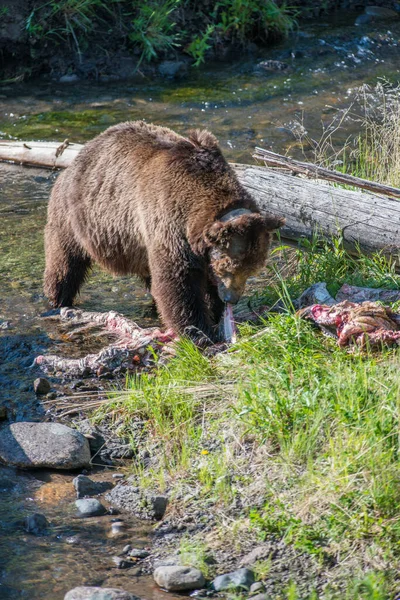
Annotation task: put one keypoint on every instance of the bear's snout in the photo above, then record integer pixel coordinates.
(229, 295)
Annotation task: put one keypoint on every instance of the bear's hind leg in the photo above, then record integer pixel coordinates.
(67, 266)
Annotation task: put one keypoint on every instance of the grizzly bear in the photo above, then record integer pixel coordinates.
(141, 199)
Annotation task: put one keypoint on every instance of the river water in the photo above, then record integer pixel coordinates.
(244, 107)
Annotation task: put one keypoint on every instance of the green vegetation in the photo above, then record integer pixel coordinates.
(154, 29)
(374, 153)
(300, 434)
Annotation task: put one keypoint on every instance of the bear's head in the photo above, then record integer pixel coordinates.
(238, 245)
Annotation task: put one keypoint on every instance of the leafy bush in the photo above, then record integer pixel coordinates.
(158, 27)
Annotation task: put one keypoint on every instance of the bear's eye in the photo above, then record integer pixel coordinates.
(237, 246)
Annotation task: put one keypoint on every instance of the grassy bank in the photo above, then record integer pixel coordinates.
(285, 439)
(153, 30)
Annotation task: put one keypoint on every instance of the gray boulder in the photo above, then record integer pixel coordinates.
(90, 507)
(37, 445)
(241, 579)
(141, 504)
(85, 486)
(176, 579)
(97, 593)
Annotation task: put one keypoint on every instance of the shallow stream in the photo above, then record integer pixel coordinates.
(244, 107)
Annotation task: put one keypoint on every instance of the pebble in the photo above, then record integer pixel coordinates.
(85, 486)
(118, 476)
(41, 386)
(258, 586)
(117, 528)
(241, 579)
(36, 524)
(176, 579)
(90, 507)
(121, 563)
(139, 553)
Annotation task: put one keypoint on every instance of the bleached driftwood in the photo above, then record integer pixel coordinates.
(272, 159)
(368, 221)
(39, 154)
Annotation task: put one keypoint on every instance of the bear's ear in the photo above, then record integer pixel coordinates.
(272, 222)
(203, 139)
(214, 236)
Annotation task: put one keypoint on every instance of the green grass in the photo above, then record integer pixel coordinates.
(154, 29)
(304, 434)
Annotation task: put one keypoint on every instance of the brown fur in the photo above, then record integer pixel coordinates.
(141, 199)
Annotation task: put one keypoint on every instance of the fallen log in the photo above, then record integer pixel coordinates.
(272, 159)
(366, 221)
(39, 154)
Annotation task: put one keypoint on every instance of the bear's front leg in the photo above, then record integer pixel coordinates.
(180, 294)
(217, 306)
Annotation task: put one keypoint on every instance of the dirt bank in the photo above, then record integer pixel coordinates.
(93, 40)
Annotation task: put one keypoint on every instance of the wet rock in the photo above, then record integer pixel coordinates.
(139, 553)
(271, 65)
(126, 549)
(121, 563)
(37, 445)
(141, 504)
(364, 20)
(258, 586)
(175, 579)
(237, 580)
(97, 593)
(85, 486)
(69, 78)
(36, 524)
(90, 507)
(41, 386)
(117, 528)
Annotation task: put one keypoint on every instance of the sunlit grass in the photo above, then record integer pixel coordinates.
(322, 470)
